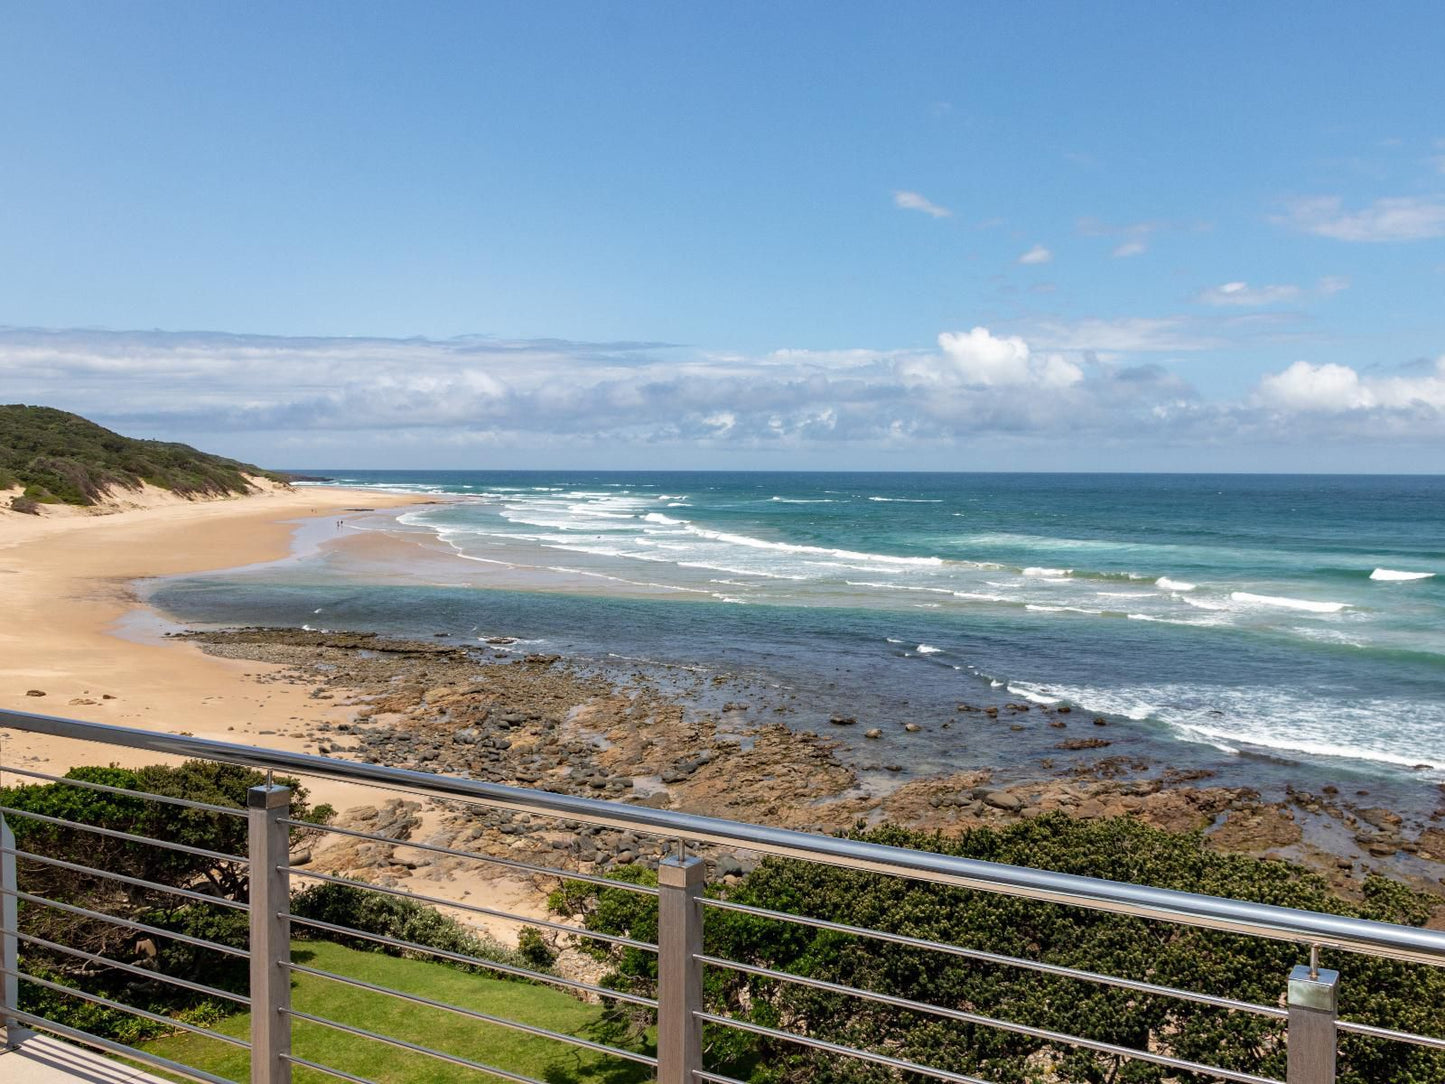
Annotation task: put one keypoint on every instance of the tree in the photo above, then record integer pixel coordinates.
(119, 940)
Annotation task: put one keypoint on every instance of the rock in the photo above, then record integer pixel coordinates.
(541, 660)
(836, 720)
(874, 733)
(912, 728)
(34, 692)
(1063, 709)
(467, 736)
(1057, 724)
(999, 800)
(1099, 720)
(500, 640)
(1083, 743)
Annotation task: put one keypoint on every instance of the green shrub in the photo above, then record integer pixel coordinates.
(1375, 991)
(218, 784)
(399, 918)
(61, 457)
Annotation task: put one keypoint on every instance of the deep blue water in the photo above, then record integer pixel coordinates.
(1301, 616)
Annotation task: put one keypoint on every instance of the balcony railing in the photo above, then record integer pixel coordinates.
(1307, 1008)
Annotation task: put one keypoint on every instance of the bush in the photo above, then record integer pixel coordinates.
(1375, 991)
(22, 503)
(399, 918)
(218, 784)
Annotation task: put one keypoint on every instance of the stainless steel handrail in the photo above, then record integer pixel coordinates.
(1261, 920)
(129, 837)
(997, 958)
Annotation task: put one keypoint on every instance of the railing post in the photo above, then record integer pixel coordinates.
(1312, 1009)
(9, 943)
(270, 845)
(679, 975)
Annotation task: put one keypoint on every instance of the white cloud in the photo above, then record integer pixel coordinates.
(1243, 294)
(354, 401)
(1333, 389)
(1395, 218)
(912, 201)
(1035, 255)
(1135, 235)
(1125, 335)
(981, 359)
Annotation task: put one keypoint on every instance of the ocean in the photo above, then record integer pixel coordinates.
(1274, 629)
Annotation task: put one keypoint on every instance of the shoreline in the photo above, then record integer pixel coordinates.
(71, 582)
(68, 581)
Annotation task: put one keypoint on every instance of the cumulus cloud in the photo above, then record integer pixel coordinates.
(912, 201)
(1394, 218)
(1333, 389)
(1037, 254)
(1130, 248)
(981, 359)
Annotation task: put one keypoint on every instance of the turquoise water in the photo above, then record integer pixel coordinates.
(1296, 616)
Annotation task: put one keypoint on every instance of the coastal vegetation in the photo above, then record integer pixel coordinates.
(119, 958)
(1372, 990)
(55, 457)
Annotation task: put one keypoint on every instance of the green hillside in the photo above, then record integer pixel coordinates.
(61, 458)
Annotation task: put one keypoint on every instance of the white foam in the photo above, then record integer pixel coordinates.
(1035, 695)
(908, 500)
(927, 649)
(1391, 575)
(804, 500)
(1052, 573)
(1290, 603)
(1165, 583)
(658, 517)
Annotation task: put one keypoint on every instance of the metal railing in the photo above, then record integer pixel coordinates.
(1308, 1008)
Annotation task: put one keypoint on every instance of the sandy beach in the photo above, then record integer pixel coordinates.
(65, 579)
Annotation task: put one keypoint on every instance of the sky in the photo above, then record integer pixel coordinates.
(981, 236)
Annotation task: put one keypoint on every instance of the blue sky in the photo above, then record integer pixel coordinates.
(1189, 236)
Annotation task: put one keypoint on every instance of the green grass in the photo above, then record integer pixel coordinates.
(504, 1048)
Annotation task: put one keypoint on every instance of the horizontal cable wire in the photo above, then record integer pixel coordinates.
(490, 965)
(575, 931)
(509, 863)
(217, 856)
(108, 789)
(96, 999)
(199, 942)
(1386, 940)
(1007, 961)
(465, 1063)
(989, 1022)
(1388, 1033)
(187, 984)
(305, 1063)
(85, 1038)
(472, 1014)
(154, 886)
(843, 1051)
(716, 1078)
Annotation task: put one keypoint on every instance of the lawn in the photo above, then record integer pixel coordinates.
(543, 1059)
